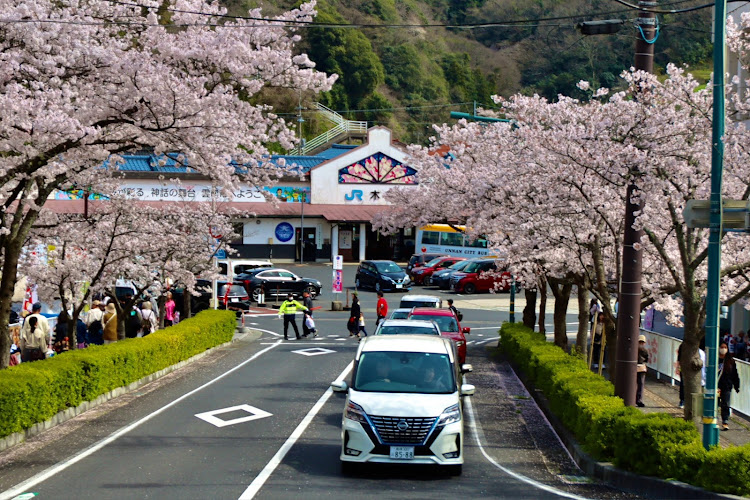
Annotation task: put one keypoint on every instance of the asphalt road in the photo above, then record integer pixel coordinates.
(257, 419)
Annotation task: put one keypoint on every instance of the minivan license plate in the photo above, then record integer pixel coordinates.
(399, 285)
(402, 452)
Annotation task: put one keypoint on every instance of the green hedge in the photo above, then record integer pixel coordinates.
(33, 392)
(655, 444)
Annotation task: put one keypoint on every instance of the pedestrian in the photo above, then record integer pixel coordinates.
(94, 323)
(641, 369)
(61, 327)
(740, 346)
(594, 309)
(133, 319)
(41, 323)
(728, 378)
(598, 333)
(308, 303)
(148, 318)
(109, 324)
(288, 309)
(169, 307)
(82, 334)
(456, 312)
(33, 340)
(354, 312)
(381, 310)
(361, 326)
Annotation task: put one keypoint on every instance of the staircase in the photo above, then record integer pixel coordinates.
(342, 129)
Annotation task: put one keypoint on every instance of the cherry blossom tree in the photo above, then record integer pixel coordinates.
(84, 80)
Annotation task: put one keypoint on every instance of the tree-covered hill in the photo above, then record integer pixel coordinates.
(408, 77)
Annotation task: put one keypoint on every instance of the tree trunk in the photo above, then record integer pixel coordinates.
(561, 290)
(11, 253)
(583, 320)
(542, 303)
(529, 310)
(690, 361)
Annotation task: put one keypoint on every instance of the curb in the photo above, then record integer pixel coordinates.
(20, 437)
(606, 471)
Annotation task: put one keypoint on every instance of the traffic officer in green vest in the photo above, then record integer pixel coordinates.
(289, 309)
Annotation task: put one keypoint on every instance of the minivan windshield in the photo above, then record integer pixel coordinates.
(408, 303)
(445, 323)
(410, 330)
(405, 372)
(388, 267)
(475, 267)
(460, 265)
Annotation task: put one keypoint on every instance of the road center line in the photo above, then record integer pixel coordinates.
(56, 469)
(261, 478)
(520, 477)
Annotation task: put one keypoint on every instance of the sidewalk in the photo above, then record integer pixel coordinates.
(659, 396)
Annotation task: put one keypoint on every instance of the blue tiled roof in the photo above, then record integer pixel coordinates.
(150, 163)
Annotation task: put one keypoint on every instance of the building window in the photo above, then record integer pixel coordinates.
(377, 169)
(239, 229)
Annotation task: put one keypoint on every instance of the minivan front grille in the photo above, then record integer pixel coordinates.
(403, 430)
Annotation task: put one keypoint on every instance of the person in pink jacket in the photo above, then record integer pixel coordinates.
(169, 308)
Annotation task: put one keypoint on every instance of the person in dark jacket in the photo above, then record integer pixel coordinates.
(641, 370)
(354, 313)
(728, 378)
(308, 303)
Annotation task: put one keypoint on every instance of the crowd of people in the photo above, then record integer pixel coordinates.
(737, 345)
(37, 340)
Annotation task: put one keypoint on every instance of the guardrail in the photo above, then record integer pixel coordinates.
(662, 358)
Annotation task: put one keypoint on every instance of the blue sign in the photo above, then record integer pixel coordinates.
(221, 254)
(284, 232)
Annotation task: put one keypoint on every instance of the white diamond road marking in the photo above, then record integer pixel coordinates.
(314, 351)
(254, 414)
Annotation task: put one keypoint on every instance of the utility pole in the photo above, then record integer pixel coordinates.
(629, 311)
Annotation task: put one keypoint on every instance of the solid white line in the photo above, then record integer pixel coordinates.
(261, 478)
(515, 475)
(56, 469)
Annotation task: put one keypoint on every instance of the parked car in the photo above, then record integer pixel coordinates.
(276, 282)
(442, 278)
(448, 324)
(409, 301)
(407, 327)
(481, 276)
(404, 403)
(400, 313)
(420, 259)
(422, 275)
(239, 266)
(236, 297)
(381, 275)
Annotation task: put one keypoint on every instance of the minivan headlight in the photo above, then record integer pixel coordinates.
(355, 412)
(450, 415)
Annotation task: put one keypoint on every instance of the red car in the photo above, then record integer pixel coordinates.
(421, 275)
(481, 276)
(448, 324)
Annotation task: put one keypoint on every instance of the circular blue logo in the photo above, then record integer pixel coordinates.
(284, 232)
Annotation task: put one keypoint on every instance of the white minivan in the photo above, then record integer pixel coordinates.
(404, 403)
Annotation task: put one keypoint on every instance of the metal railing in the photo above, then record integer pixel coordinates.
(342, 128)
(662, 358)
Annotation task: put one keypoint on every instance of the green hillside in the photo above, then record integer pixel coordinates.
(407, 78)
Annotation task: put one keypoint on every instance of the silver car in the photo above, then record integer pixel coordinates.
(407, 326)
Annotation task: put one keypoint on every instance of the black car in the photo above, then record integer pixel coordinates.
(380, 275)
(276, 282)
(442, 278)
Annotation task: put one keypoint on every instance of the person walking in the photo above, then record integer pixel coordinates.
(169, 307)
(455, 311)
(133, 320)
(308, 303)
(33, 341)
(109, 324)
(288, 309)
(148, 318)
(354, 313)
(361, 332)
(381, 310)
(641, 369)
(598, 332)
(728, 378)
(41, 323)
(740, 346)
(594, 309)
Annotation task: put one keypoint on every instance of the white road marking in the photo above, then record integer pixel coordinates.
(315, 351)
(515, 475)
(261, 478)
(253, 414)
(61, 466)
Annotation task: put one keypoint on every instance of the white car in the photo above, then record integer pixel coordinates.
(400, 313)
(404, 403)
(407, 327)
(409, 301)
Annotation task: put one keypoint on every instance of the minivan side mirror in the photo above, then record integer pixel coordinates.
(339, 386)
(466, 329)
(467, 368)
(467, 390)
